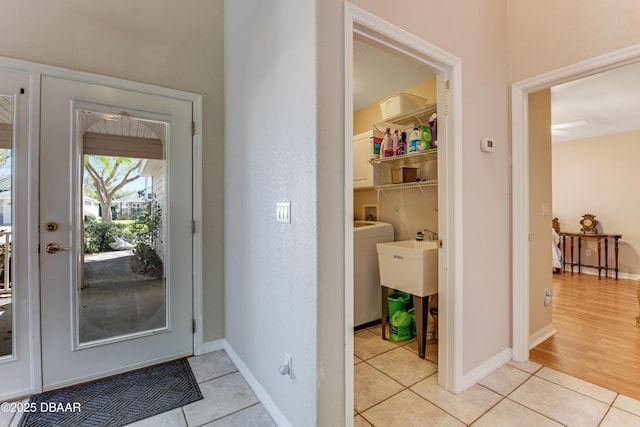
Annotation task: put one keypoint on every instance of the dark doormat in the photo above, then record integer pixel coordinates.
(115, 401)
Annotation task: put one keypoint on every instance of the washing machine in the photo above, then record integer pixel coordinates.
(366, 276)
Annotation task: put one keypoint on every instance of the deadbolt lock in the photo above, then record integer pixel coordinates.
(51, 226)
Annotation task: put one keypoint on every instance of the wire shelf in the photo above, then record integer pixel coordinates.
(416, 184)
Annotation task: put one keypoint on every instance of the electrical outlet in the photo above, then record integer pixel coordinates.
(285, 368)
(588, 252)
(548, 297)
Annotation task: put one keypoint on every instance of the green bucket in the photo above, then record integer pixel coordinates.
(398, 301)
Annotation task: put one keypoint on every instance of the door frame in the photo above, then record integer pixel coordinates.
(36, 71)
(448, 67)
(521, 338)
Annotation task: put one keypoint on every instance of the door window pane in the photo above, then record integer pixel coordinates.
(6, 222)
(123, 287)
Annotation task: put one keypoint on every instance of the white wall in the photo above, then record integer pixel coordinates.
(158, 42)
(270, 155)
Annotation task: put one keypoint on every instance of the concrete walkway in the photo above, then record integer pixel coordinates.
(116, 301)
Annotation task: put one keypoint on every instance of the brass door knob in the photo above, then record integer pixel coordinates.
(52, 248)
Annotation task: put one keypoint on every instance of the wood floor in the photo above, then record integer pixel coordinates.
(597, 337)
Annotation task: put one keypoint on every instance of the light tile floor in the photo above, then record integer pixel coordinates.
(393, 387)
(227, 400)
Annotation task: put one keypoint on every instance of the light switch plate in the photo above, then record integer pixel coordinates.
(283, 212)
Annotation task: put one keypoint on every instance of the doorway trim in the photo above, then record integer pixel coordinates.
(520, 177)
(448, 68)
(36, 71)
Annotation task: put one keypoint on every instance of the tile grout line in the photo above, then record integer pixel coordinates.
(227, 415)
(579, 392)
(533, 410)
(388, 397)
(531, 375)
(218, 377)
(389, 376)
(605, 415)
(442, 409)
(184, 416)
(394, 380)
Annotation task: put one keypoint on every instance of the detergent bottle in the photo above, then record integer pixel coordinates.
(387, 144)
(414, 140)
(402, 144)
(425, 138)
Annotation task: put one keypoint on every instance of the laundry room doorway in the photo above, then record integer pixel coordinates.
(363, 27)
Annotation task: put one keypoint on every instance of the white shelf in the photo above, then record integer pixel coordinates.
(383, 166)
(416, 184)
(406, 159)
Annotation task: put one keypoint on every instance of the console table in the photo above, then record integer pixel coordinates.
(599, 238)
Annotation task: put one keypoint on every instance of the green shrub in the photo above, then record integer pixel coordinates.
(147, 261)
(89, 217)
(98, 236)
(147, 228)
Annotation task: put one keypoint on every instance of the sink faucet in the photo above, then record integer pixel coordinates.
(432, 234)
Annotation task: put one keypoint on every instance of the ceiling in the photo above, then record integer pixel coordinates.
(120, 125)
(608, 102)
(6, 109)
(107, 124)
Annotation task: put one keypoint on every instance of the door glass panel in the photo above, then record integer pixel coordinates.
(122, 279)
(6, 181)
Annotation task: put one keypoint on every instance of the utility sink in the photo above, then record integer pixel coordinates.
(409, 266)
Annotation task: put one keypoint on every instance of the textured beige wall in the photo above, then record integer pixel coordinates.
(595, 176)
(158, 42)
(540, 209)
(546, 35)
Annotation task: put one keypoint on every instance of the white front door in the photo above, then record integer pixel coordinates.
(106, 308)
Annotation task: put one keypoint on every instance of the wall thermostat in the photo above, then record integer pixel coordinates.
(488, 145)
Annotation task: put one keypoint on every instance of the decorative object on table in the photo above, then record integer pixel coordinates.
(588, 223)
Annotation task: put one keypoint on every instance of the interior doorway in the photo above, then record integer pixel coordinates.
(364, 26)
(588, 147)
(521, 182)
